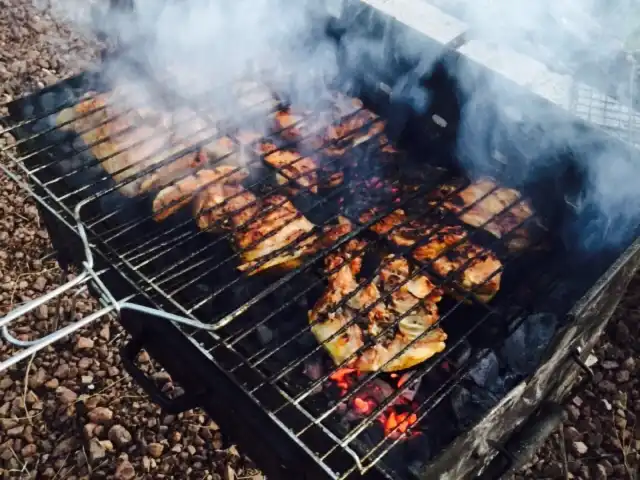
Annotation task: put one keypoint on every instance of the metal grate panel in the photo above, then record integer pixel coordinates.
(192, 274)
(618, 116)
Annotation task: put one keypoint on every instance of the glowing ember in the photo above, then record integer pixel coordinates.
(340, 377)
(395, 424)
(397, 419)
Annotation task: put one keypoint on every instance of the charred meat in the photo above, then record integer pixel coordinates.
(448, 250)
(395, 310)
(498, 210)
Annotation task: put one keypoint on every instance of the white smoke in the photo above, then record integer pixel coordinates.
(194, 45)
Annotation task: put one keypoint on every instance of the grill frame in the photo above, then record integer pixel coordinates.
(155, 341)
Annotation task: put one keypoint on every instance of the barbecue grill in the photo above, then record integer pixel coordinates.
(241, 345)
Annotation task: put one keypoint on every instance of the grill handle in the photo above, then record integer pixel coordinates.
(173, 406)
(523, 445)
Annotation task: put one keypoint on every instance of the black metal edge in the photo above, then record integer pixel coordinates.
(520, 447)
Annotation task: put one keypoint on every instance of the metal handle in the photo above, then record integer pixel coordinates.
(87, 276)
(523, 445)
(180, 404)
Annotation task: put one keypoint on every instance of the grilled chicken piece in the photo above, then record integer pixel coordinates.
(472, 267)
(301, 170)
(222, 181)
(392, 324)
(269, 226)
(476, 269)
(262, 227)
(490, 204)
(120, 140)
(130, 142)
(343, 123)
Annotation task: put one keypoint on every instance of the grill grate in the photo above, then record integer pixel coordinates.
(256, 325)
(617, 116)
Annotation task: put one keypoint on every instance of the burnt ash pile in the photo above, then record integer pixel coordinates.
(413, 414)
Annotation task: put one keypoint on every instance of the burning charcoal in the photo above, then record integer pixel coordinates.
(486, 372)
(524, 348)
(469, 405)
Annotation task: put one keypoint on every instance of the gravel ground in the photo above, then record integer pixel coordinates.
(71, 412)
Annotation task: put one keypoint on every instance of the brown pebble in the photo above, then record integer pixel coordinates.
(84, 343)
(105, 334)
(622, 376)
(62, 371)
(579, 448)
(629, 364)
(571, 434)
(66, 396)
(89, 430)
(119, 435)
(15, 431)
(52, 384)
(599, 472)
(100, 415)
(96, 450)
(155, 450)
(125, 471)
(84, 363)
(29, 450)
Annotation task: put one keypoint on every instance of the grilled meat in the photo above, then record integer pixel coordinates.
(497, 210)
(472, 267)
(342, 126)
(268, 226)
(261, 228)
(220, 182)
(135, 146)
(301, 170)
(402, 319)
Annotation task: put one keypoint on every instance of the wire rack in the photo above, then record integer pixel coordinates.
(615, 113)
(192, 258)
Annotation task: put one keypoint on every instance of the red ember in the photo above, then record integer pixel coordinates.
(396, 419)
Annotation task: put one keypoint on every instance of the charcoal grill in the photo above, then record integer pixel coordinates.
(239, 345)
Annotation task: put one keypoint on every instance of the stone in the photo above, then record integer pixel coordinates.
(96, 450)
(29, 450)
(571, 434)
(599, 472)
(66, 396)
(119, 435)
(84, 343)
(579, 448)
(622, 376)
(125, 471)
(155, 450)
(100, 415)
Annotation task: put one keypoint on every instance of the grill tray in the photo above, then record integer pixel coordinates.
(233, 355)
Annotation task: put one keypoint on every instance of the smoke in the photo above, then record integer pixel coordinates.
(193, 45)
(566, 35)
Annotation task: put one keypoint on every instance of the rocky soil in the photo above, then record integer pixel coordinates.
(71, 411)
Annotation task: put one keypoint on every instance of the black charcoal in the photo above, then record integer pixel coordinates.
(523, 349)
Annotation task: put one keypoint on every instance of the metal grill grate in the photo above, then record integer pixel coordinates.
(245, 322)
(618, 116)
